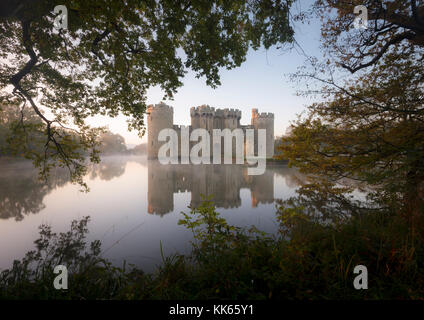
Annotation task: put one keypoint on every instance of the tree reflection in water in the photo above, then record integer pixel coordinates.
(22, 192)
(108, 168)
(328, 203)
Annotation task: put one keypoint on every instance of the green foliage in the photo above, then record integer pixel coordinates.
(227, 259)
(23, 135)
(312, 258)
(90, 275)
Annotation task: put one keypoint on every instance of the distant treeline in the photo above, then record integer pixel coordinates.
(113, 143)
(13, 121)
(138, 150)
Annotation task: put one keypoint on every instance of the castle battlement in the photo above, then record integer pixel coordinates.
(232, 113)
(202, 110)
(207, 111)
(159, 107)
(266, 115)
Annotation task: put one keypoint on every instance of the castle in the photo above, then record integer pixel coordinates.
(161, 116)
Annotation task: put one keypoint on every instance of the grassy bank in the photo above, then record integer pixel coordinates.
(309, 259)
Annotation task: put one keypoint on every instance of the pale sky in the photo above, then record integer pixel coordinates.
(260, 82)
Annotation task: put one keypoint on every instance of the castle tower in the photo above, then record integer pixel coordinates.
(232, 118)
(264, 121)
(202, 117)
(159, 116)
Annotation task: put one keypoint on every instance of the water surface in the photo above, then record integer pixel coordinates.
(134, 204)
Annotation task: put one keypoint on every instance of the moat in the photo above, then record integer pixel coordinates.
(135, 204)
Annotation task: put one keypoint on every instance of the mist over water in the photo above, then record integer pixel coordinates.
(134, 204)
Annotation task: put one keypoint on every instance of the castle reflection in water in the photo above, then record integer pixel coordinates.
(221, 182)
(22, 193)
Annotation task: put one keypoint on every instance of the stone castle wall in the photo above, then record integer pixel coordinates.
(161, 116)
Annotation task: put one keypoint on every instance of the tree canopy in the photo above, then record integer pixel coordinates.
(369, 122)
(389, 23)
(113, 51)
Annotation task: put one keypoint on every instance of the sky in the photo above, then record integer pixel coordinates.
(261, 82)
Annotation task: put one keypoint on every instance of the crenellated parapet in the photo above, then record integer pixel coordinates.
(266, 115)
(262, 115)
(232, 113)
(207, 111)
(160, 107)
(203, 110)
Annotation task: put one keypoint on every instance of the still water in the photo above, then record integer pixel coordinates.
(134, 204)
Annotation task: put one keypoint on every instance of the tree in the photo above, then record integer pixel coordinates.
(111, 143)
(113, 51)
(15, 120)
(389, 24)
(369, 125)
(139, 149)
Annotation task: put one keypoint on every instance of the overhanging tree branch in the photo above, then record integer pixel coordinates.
(397, 39)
